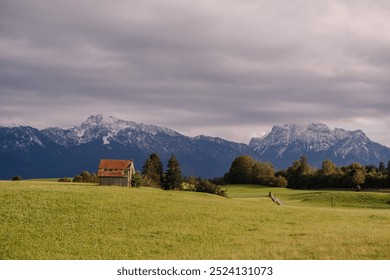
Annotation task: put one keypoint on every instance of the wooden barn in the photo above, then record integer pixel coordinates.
(115, 172)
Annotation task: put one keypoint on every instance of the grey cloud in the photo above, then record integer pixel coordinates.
(193, 65)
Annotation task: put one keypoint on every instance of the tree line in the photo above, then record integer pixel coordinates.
(246, 170)
(300, 175)
(153, 175)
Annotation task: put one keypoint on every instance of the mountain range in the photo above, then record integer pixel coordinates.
(57, 152)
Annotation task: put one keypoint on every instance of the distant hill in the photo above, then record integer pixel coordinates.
(57, 152)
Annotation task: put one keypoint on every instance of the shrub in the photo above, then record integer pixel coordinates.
(17, 178)
(186, 186)
(86, 177)
(65, 179)
(136, 180)
(203, 185)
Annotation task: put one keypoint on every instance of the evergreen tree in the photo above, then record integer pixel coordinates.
(153, 172)
(173, 177)
(382, 167)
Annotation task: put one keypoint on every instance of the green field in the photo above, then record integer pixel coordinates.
(50, 220)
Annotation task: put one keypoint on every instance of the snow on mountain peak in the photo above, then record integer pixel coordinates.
(107, 128)
(111, 123)
(100, 126)
(315, 137)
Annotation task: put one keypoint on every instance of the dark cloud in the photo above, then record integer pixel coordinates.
(226, 68)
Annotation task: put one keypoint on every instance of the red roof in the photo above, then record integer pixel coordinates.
(113, 168)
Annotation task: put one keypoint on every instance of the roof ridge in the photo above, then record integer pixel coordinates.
(116, 159)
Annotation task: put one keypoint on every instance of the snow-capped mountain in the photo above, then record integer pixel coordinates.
(54, 152)
(317, 141)
(57, 152)
(103, 128)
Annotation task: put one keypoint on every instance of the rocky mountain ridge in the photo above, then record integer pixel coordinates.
(56, 152)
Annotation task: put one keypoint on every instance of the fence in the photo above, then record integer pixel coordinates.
(275, 199)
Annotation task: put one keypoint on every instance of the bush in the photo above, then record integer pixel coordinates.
(279, 182)
(203, 185)
(65, 180)
(136, 180)
(186, 186)
(17, 178)
(86, 177)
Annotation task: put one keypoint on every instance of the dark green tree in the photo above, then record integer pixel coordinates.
(153, 172)
(173, 177)
(241, 170)
(382, 167)
(300, 174)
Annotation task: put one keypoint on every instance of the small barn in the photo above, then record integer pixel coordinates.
(114, 172)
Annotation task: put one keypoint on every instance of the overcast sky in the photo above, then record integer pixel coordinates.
(227, 68)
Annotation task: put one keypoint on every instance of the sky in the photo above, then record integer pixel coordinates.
(226, 68)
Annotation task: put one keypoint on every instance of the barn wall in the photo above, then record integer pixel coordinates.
(113, 181)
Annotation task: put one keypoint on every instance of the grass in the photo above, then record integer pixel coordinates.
(45, 179)
(314, 198)
(51, 220)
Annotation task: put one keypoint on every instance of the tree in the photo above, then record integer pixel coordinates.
(304, 168)
(241, 170)
(153, 172)
(263, 173)
(382, 167)
(280, 182)
(356, 175)
(329, 176)
(173, 177)
(300, 174)
(328, 168)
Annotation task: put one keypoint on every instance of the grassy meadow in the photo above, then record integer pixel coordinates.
(51, 220)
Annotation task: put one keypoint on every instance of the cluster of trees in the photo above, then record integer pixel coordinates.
(246, 170)
(301, 175)
(153, 175)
